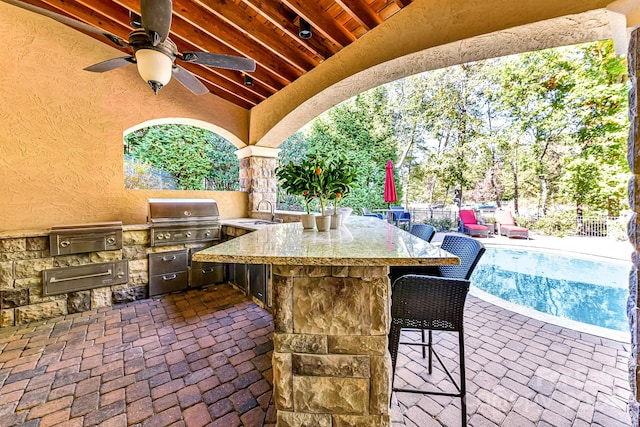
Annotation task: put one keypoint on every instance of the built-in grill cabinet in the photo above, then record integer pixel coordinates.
(72, 279)
(206, 273)
(178, 221)
(81, 238)
(168, 271)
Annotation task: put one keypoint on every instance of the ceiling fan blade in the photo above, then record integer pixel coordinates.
(68, 21)
(189, 81)
(219, 60)
(111, 64)
(156, 19)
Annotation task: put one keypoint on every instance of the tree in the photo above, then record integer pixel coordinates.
(599, 129)
(360, 128)
(192, 155)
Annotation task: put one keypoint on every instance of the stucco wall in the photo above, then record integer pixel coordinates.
(61, 127)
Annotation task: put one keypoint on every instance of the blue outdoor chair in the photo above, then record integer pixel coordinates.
(403, 219)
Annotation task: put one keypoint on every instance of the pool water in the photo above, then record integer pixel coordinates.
(588, 290)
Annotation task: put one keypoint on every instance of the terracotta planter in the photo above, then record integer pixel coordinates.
(323, 222)
(336, 221)
(308, 221)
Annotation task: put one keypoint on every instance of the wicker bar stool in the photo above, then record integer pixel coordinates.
(435, 303)
(423, 231)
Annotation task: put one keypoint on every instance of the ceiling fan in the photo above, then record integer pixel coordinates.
(153, 51)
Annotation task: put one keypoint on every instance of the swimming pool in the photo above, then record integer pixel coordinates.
(584, 289)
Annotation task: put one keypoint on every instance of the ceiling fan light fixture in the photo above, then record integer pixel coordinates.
(305, 29)
(248, 80)
(154, 67)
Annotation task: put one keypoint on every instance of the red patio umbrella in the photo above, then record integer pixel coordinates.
(390, 194)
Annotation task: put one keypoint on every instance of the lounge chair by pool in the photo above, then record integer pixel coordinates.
(508, 227)
(470, 224)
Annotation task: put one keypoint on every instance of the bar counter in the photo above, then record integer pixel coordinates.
(331, 312)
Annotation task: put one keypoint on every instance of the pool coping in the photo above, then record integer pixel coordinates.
(612, 334)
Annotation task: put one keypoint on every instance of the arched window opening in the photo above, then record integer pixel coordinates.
(179, 157)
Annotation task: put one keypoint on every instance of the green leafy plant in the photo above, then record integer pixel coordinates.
(297, 179)
(334, 178)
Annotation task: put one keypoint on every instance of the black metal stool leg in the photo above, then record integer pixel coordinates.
(430, 351)
(463, 380)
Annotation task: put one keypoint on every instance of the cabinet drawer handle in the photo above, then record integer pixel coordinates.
(169, 277)
(171, 258)
(86, 276)
(207, 270)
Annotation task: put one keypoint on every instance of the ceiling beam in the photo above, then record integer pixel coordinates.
(284, 19)
(238, 18)
(321, 21)
(361, 12)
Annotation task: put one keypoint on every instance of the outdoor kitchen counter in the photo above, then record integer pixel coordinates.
(362, 241)
(331, 314)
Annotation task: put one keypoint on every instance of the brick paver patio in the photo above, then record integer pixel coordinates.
(203, 358)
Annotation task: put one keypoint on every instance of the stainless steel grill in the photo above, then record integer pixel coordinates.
(177, 221)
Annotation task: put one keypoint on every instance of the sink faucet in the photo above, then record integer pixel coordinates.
(273, 212)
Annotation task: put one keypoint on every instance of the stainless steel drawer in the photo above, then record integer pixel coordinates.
(169, 282)
(206, 273)
(168, 262)
(75, 241)
(71, 279)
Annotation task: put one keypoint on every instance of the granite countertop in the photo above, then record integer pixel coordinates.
(361, 241)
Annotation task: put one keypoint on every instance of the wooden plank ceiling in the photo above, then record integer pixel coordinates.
(264, 30)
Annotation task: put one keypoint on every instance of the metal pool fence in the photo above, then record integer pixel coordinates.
(445, 219)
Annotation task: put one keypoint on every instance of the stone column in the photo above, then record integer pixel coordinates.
(331, 366)
(257, 174)
(633, 156)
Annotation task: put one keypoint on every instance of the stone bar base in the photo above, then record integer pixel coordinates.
(331, 366)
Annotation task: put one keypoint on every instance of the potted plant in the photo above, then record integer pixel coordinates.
(297, 179)
(334, 177)
(343, 176)
(321, 188)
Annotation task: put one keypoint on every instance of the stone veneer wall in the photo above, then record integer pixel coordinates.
(258, 178)
(330, 362)
(22, 260)
(633, 156)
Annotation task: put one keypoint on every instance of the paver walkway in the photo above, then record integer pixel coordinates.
(203, 358)
(198, 358)
(520, 372)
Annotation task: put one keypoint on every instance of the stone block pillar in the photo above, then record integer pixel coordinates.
(257, 174)
(331, 366)
(633, 156)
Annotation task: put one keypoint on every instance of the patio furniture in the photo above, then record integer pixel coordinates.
(424, 231)
(508, 227)
(470, 224)
(435, 303)
(403, 219)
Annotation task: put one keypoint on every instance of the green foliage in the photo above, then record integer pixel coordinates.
(556, 224)
(361, 128)
(296, 179)
(194, 156)
(547, 126)
(443, 224)
(143, 176)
